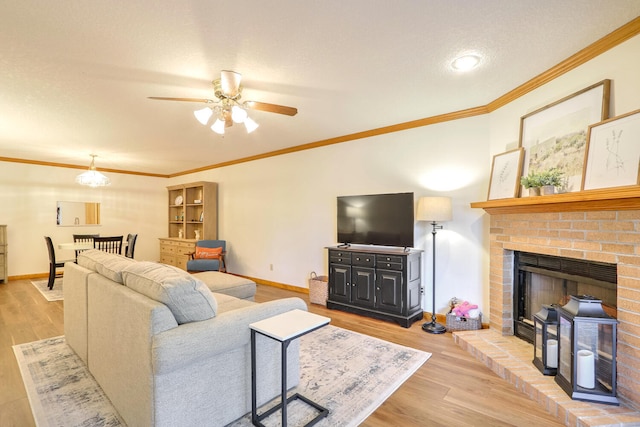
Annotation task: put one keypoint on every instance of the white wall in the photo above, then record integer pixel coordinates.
(131, 204)
(281, 211)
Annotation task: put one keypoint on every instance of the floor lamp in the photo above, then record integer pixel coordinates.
(434, 210)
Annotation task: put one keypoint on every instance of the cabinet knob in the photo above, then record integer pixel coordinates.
(367, 259)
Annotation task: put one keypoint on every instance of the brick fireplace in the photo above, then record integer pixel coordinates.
(601, 226)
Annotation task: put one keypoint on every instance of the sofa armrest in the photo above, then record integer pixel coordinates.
(191, 342)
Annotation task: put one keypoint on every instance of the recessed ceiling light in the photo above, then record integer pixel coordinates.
(465, 62)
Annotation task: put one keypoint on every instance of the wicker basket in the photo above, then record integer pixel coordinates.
(455, 323)
(318, 289)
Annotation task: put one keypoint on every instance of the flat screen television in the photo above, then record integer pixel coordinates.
(376, 219)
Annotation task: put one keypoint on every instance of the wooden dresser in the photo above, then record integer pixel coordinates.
(176, 252)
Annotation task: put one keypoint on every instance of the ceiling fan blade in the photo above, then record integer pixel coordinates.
(271, 108)
(230, 82)
(163, 98)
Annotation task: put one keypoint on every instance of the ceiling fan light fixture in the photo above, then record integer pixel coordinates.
(218, 127)
(230, 83)
(238, 114)
(203, 115)
(465, 62)
(92, 177)
(250, 125)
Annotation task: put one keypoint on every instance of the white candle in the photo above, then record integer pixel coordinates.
(552, 353)
(586, 375)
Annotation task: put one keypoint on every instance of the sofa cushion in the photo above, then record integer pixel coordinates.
(188, 298)
(229, 303)
(87, 259)
(230, 284)
(105, 263)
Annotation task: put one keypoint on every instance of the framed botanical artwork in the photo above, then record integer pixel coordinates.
(555, 136)
(505, 175)
(613, 153)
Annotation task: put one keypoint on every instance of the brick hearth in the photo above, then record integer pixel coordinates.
(611, 236)
(510, 358)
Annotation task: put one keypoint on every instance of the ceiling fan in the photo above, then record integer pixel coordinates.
(227, 105)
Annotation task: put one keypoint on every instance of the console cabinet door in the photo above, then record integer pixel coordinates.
(340, 282)
(363, 286)
(389, 291)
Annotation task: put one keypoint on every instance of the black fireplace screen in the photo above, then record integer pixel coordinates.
(546, 279)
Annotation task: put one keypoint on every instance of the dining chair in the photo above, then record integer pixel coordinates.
(53, 265)
(111, 244)
(131, 245)
(83, 238)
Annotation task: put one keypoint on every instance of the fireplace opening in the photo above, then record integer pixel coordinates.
(544, 279)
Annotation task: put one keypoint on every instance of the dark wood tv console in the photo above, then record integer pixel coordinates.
(381, 283)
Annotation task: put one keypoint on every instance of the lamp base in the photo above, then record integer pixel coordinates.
(433, 328)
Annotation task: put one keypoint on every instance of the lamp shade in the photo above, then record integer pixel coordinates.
(238, 115)
(250, 125)
(218, 127)
(203, 115)
(435, 209)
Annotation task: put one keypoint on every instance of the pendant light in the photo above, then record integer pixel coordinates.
(92, 177)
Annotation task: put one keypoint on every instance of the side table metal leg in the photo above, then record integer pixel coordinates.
(254, 399)
(285, 344)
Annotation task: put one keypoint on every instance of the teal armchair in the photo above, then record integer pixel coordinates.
(208, 264)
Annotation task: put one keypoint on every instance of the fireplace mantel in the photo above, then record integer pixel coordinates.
(620, 198)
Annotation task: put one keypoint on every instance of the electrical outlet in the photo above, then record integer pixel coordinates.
(271, 267)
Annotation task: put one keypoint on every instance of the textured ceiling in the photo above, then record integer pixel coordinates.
(75, 75)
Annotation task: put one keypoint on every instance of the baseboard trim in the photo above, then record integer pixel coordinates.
(28, 276)
(275, 284)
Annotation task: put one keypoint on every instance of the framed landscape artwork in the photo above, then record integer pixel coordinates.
(613, 152)
(505, 175)
(555, 136)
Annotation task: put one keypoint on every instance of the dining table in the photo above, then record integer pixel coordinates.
(76, 246)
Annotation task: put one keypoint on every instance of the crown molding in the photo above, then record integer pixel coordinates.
(82, 167)
(611, 40)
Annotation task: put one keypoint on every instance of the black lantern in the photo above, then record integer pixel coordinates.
(587, 351)
(545, 343)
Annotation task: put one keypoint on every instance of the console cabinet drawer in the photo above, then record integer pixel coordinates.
(338, 257)
(390, 262)
(364, 260)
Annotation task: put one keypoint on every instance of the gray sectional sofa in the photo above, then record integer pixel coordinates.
(165, 349)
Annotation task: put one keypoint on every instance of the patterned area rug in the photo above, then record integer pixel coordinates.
(349, 373)
(54, 294)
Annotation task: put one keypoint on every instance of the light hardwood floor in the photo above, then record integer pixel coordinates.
(450, 389)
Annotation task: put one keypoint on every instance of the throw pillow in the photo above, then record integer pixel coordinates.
(207, 253)
(188, 298)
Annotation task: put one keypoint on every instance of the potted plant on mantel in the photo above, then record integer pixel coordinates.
(532, 183)
(547, 181)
